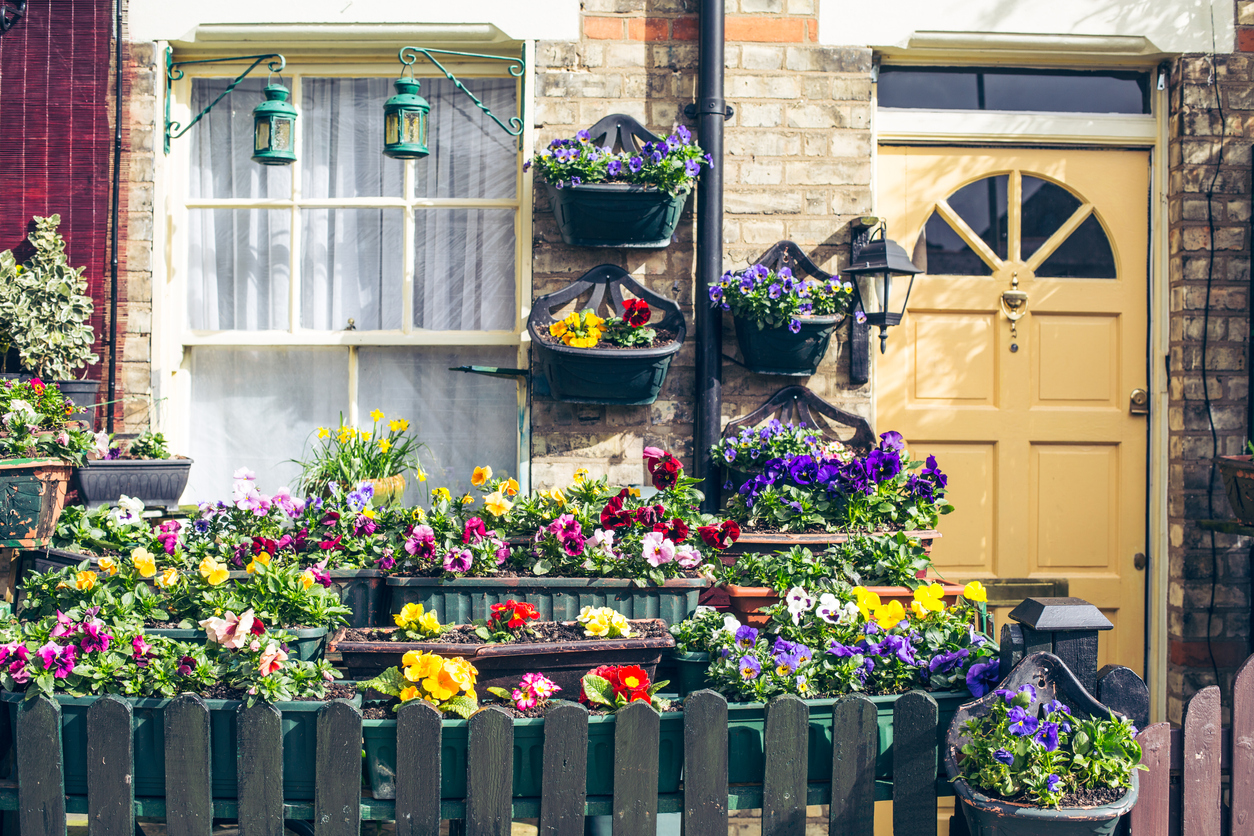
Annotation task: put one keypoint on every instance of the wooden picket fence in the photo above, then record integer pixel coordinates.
(40, 806)
(1183, 790)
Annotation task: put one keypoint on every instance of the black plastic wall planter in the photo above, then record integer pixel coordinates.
(84, 394)
(604, 375)
(616, 215)
(156, 482)
(780, 351)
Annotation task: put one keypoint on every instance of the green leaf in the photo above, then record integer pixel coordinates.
(542, 566)
(390, 682)
(598, 690)
(502, 693)
(461, 705)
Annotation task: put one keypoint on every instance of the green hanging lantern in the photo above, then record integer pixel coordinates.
(274, 121)
(405, 122)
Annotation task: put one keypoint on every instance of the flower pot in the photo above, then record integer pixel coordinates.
(366, 593)
(615, 215)
(751, 541)
(158, 482)
(379, 737)
(686, 671)
(84, 394)
(503, 665)
(736, 477)
(463, 600)
(32, 493)
(309, 646)
(748, 601)
(299, 724)
(993, 817)
(1237, 473)
(388, 489)
(780, 351)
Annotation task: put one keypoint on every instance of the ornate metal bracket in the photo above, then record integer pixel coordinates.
(11, 11)
(173, 130)
(516, 66)
(859, 332)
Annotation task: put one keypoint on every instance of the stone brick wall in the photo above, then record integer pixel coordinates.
(1209, 189)
(797, 166)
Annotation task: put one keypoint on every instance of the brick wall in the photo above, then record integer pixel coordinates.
(797, 165)
(1209, 593)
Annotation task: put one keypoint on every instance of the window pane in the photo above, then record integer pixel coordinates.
(351, 268)
(470, 155)
(239, 267)
(466, 420)
(342, 149)
(1046, 207)
(982, 205)
(257, 408)
(464, 270)
(1085, 254)
(948, 254)
(983, 88)
(222, 145)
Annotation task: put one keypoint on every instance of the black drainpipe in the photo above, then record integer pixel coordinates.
(113, 220)
(711, 110)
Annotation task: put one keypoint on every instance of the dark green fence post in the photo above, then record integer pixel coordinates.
(259, 770)
(564, 789)
(418, 769)
(705, 764)
(110, 768)
(490, 774)
(637, 731)
(855, 744)
(188, 787)
(40, 778)
(337, 787)
(914, 762)
(787, 749)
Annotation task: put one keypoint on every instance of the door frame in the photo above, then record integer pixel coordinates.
(892, 126)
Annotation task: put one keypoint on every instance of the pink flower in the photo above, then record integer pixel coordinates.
(17, 670)
(421, 542)
(231, 631)
(13, 649)
(63, 438)
(475, 530)
(272, 658)
(658, 551)
(94, 637)
(65, 626)
(688, 557)
(139, 646)
(364, 526)
(458, 561)
(533, 689)
(65, 662)
(502, 552)
(48, 655)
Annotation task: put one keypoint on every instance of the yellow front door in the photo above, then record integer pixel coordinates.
(1031, 419)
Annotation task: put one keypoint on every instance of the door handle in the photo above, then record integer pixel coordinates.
(1138, 402)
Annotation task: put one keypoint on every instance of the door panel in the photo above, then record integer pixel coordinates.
(1046, 464)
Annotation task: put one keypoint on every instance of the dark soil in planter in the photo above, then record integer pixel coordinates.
(1081, 798)
(335, 691)
(545, 632)
(664, 337)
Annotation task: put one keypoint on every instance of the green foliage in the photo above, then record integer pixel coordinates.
(347, 455)
(44, 307)
(671, 165)
(695, 634)
(862, 560)
(33, 418)
(149, 445)
(777, 299)
(622, 333)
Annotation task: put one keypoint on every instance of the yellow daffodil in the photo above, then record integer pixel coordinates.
(344, 435)
(421, 474)
(409, 614)
(975, 592)
(144, 562)
(442, 493)
(376, 415)
(107, 565)
(306, 579)
(481, 476)
(468, 500)
(398, 426)
(323, 432)
(364, 436)
(930, 597)
(890, 614)
(410, 693)
(580, 475)
(511, 487)
(168, 578)
(84, 581)
(385, 444)
(497, 504)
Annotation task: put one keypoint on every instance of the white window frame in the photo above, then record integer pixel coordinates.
(173, 337)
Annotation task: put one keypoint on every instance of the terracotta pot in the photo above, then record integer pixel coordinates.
(1237, 473)
(746, 601)
(750, 542)
(503, 665)
(388, 489)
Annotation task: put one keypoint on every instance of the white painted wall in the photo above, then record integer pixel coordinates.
(172, 20)
(1169, 25)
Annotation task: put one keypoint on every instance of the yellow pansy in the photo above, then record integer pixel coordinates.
(633, 492)
(207, 566)
(369, 512)
(306, 579)
(866, 600)
(107, 565)
(557, 496)
(888, 615)
(85, 580)
(144, 562)
(168, 578)
(593, 321)
(497, 504)
(580, 475)
(398, 426)
(442, 493)
(418, 513)
(254, 566)
(481, 476)
(511, 487)
(930, 597)
(572, 319)
(557, 329)
(409, 613)
(63, 585)
(218, 576)
(468, 500)
(410, 693)
(323, 432)
(429, 622)
(376, 415)
(918, 609)
(385, 444)
(263, 558)
(975, 592)
(584, 342)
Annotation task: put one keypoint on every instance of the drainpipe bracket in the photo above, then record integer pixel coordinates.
(706, 106)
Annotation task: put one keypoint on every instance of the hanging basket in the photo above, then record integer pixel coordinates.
(1237, 473)
(626, 376)
(616, 215)
(780, 351)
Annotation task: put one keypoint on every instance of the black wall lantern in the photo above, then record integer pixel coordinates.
(874, 261)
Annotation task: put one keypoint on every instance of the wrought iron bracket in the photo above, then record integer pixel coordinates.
(492, 371)
(173, 130)
(11, 11)
(516, 67)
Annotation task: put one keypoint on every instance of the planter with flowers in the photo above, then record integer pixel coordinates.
(1040, 757)
(609, 349)
(744, 453)
(784, 323)
(38, 449)
(631, 197)
(587, 545)
(527, 698)
(510, 642)
(347, 456)
(143, 470)
(76, 657)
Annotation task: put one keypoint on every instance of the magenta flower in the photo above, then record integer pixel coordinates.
(364, 526)
(65, 625)
(475, 530)
(17, 670)
(48, 655)
(95, 639)
(421, 542)
(65, 662)
(457, 561)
